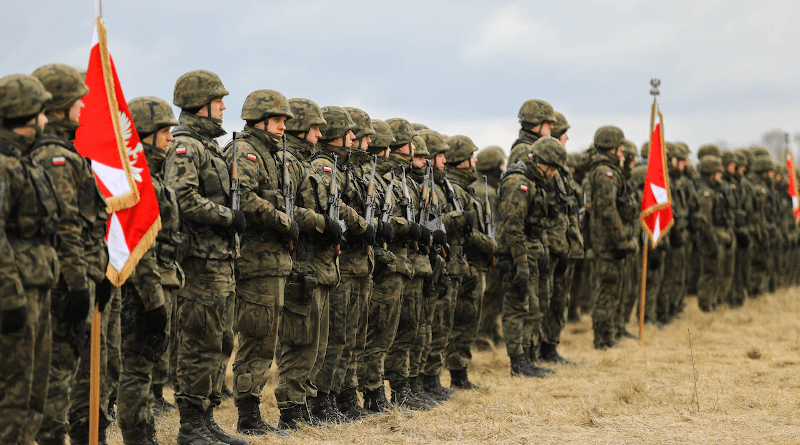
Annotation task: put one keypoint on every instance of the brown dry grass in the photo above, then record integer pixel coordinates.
(744, 387)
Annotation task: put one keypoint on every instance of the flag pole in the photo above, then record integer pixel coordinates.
(654, 83)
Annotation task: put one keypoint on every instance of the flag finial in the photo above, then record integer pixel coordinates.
(655, 83)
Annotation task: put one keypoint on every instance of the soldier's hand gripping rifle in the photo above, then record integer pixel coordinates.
(436, 211)
(388, 205)
(488, 216)
(288, 190)
(427, 218)
(236, 195)
(369, 200)
(334, 201)
(407, 204)
(456, 201)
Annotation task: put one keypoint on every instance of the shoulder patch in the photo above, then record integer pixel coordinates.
(524, 188)
(59, 160)
(252, 157)
(180, 150)
(610, 174)
(327, 169)
(706, 193)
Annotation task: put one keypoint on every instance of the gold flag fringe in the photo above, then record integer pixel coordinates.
(129, 199)
(116, 277)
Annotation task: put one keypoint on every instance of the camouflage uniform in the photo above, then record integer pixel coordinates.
(759, 279)
(533, 113)
(633, 264)
(29, 267)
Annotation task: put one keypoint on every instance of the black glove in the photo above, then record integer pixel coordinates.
(620, 254)
(293, 234)
(239, 223)
(154, 322)
(333, 231)
(469, 220)
(522, 276)
(414, 231)
(675, 239)
(369, 235)
(653, 262)
(712, 249)
(439, 237)
(77, 306)
(13, 320)
(425, 236)
(561, 266)
(103, 294)
(743, 239)
(385, 231)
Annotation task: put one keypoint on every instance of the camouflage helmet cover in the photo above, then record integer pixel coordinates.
(608, 138)
(419, 127)
(757, 151)
(741, 159)
(22, 96)
(63, 82)
(197, 88)
(362, 120)
(645, 151)
(264, 104)
(435, 142)
(561, 126)
(728, 158)
(762, 164)
(549, 151)
(337, 123)
(534, 112)
(490, 158)
(306, 114)
(629, 149)
(403, 131)
(420, 147)
(708, 149)
(383, 137)
(151, 114)
(709, 164)
(461, 149)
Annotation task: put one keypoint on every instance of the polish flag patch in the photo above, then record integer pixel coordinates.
(327, 169)
(524, 188)
(252, 157)
(59, 160)
(180, 150)
(610, 174)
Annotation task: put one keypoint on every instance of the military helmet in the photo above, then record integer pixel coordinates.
(561, 126)
(629, 149)
(362, 120)
(674, 151)
(709, 164)
(420, 147)
(645, 151)
(461, 149)
(549, 151)
(306, 114)
(741, 159)
(63, 82)
(420, 127)
(534, 112)
(608, 138)
(728, 158)
(21, 97)
(762, 164)
(708, 149)
(403, 131)
(337, 123)
(757, 151)
(264, 104)
(151, 114)
(197, 88)
(434, 142)
(383, 137)
(490, 158)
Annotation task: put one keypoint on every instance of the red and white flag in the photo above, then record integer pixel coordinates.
(656, 216)
(793, 185)
(107, 136)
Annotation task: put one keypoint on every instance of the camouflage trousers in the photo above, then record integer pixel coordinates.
(656, 299)
(446, 289)
(396, 363)
(674, 285)
(709, 281)
(420, 348)
(492, 308)
(555, 314)
(258, 304)
(466, 319)
(521, 314)
(759, 275)
(383, 317)
(740, 277)
(631, 288)
(164, 371)
(608, 289)
(113, 345)
(582, 287)
(227, 347)
(23, 372)
(532, 328)
(727, 268)
(345, 376)
(341, 299)
(139, 354)
(204, 307)
(302, 332)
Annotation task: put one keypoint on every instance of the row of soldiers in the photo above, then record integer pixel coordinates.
(350, 251)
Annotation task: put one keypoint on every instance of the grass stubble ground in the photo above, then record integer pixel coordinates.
(730, 377)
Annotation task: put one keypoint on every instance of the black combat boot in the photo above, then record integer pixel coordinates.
(79, 434)
(519, 368)
(218, 433)
(460, 380)
(193, 430)
(529, 359)
(137, 435)
(432, 385)
(161, 405)
(550, 354)
(250, 420)
(151, 433)
(333, 402)
(375, 401)
(349, 405)
(623, 333)
(319, 407)
(291, 417)
(418, 391)
(401, 396)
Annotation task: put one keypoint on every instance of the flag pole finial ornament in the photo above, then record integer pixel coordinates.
(655, 84)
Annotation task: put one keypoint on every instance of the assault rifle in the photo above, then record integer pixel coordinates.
(288, 190)
(333, 200)
(407, 204)
(388, 203)
(452, 196)
(236, 195)
(488, 216)
(369, 200)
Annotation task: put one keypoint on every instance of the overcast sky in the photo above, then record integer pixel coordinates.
(729, 70)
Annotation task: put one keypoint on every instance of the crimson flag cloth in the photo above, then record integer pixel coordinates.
(793, 185)
(656, 215)
(107, 136)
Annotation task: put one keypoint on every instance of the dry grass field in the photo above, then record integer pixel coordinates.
(732, 377)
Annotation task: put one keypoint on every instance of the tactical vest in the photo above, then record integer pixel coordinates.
(535, 221)
(169, 241)
(214, 178)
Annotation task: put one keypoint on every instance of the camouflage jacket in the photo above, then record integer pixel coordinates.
(146, 279)
(420, 260)
(29, 209)
(759, 217)
(454, 223)
(737, 199)
(522, 214)
(715, 217)
(479, 248)
(610, 204)
(574, 206)
(196, 169)
(522, 146)
(170, 240)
